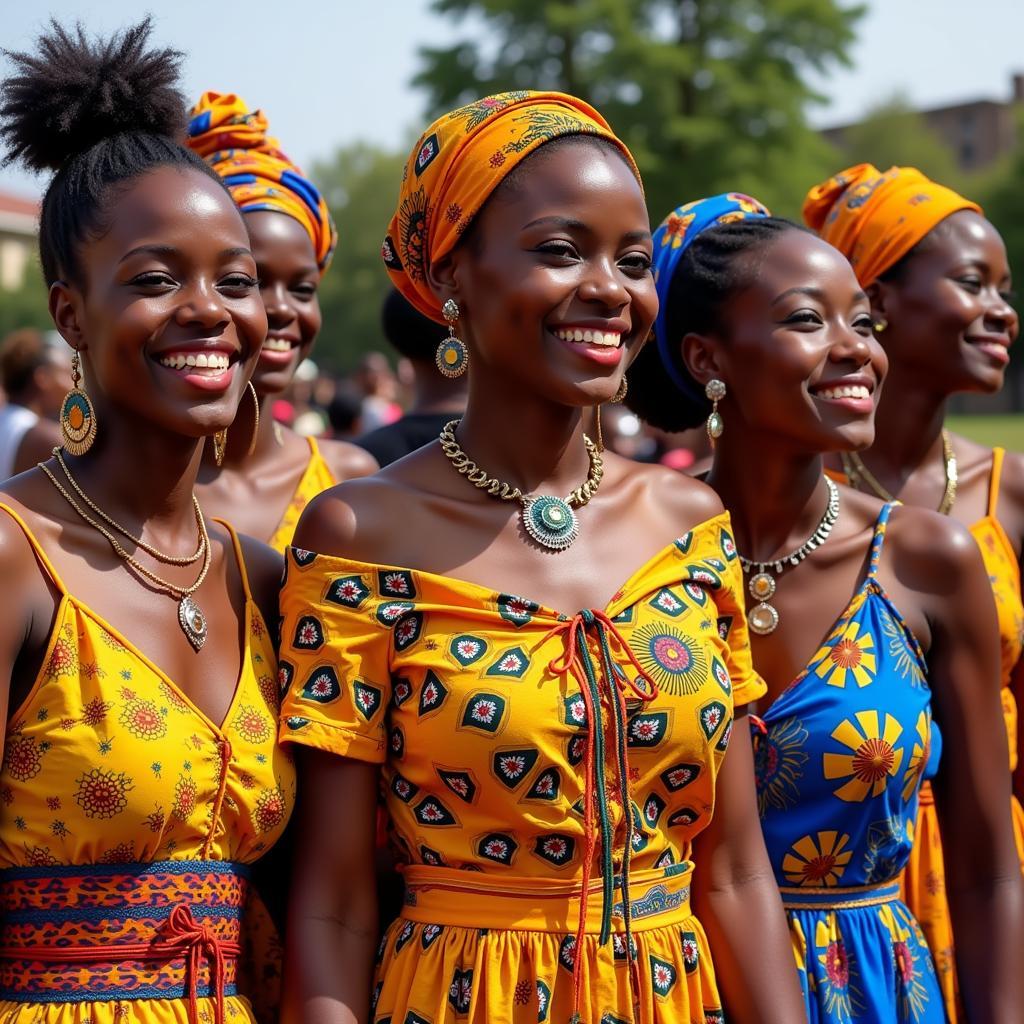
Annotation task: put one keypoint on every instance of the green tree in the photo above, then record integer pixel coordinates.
(894, 133)
(25, 306)
(360, 184)
(710, 95)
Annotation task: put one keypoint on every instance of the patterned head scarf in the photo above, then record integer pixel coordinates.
(458, 162)
(672, 238)
(875, 219)
(234, 142)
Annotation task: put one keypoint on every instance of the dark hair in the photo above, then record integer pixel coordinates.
(719, 262)
(99, 113)
(22, 352)
(414, 335)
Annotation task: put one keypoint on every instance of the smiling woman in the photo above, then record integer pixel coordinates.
(263, 474)
(541, 671)
(140, 789)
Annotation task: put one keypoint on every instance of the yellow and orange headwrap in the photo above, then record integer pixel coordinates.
(234, 142)
(458, 162)
(875, 219)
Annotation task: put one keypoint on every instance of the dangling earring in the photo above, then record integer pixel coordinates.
(77, 416)
(620, 394)
(715, 390)
(220, 445)
(256, 424)
(880, 324)
(452, 356)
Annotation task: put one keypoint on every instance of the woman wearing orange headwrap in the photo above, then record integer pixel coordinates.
(553, 781)
(267, 473)
(937, 274)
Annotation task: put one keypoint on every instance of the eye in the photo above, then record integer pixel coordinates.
(864, 323)
(636, 263)
(804, 316)
(970, 283)
(153, 279)
(559, 250)
(241, 283)
(305, 292)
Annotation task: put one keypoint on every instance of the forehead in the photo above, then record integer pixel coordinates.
(965, 236)
(272, 229)
(800, 259)
(179, 205)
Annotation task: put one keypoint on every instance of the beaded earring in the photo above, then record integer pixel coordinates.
(452, 356)
(77, 416)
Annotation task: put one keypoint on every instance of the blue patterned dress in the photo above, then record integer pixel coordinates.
(839, 760)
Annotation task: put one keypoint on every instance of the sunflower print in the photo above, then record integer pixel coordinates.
(838, 978)
(818, 860)
(677, 663)
(779, 760)
(875, 758)
(848, 654)
(907, 952)
(919, 752)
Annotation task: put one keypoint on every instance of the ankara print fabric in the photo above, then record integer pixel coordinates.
(839, 763)
(449, 686)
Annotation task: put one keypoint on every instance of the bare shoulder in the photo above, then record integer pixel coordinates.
(930, 552)
(263, 566)
(683, 501)
(21, 576)
(347, 461)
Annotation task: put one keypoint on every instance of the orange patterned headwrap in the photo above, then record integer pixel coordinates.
(234, 142)
(875, 219)
(458, 162)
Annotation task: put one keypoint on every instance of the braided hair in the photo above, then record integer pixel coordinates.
(99, 113)
(719, 262)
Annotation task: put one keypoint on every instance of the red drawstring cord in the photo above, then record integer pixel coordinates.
(571, 663)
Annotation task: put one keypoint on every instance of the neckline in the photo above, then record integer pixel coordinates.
(481, 591)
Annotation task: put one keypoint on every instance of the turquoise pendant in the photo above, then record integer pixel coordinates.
(550, 521)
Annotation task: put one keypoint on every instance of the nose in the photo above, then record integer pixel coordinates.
(279, 309)
(851, 346)
(603, 284)
(201, 304)
(1000, 316)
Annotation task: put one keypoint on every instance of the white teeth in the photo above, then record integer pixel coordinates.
(277, 345)
(201, 360)
(216, 361)
(847, 391)
(588, 336)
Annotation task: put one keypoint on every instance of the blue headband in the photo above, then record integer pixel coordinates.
(672, 239)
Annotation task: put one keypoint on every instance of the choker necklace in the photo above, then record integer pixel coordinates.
(549, 520)
(857, 473)
(764, 618)
(190, 615)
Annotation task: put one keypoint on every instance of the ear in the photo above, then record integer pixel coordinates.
(702, 357)
(66, 310)
(881, 298)
(442, 277)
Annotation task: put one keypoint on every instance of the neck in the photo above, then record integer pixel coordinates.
(908, 429)
(142, 477)
(525, 440)
(433, 393)
(774, 507)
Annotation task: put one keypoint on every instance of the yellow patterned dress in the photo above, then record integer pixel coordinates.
(127, 821)
(316, 478)
(505, 802)
(925, 878)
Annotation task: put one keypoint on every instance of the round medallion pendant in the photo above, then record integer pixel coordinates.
(192, 621)
(761, 586)
(550, 521)
(763, 619)
(451, 357)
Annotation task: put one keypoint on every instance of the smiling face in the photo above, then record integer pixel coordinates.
(796, 349)
(289, 279)
(169, 318)
(949, 320)
(554, 282)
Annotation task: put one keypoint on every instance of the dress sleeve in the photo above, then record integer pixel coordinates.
(334, 656)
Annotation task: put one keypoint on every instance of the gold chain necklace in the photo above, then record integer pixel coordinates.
(856, 472)
(137, 541)
(190, 615)
(549, 520)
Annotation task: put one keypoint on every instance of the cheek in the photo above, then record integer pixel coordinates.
(310, 321)
(250, 320)
(945, 305)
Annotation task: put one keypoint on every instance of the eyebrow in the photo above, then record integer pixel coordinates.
(812, 293)
(569, 224)
(170, 250)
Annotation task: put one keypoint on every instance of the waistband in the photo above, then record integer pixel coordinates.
(163, 930)
(470, 899)
(926, 795)
(839, 898)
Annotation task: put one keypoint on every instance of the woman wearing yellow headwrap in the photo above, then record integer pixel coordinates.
(267, 472)
(553, 781)
(937, 274)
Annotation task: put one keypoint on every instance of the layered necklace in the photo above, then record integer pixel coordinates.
(549, 520)
(190, 615)
(764, 617)
(857, 473)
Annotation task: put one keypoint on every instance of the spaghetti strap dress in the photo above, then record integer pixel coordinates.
(316, 478)
(925, 878)
(128, 820)
(839, 758)
(545, 776)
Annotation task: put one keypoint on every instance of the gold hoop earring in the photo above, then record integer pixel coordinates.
(620, 394)
(77, 415)
(715, 391)
(452, 356)
(256, 423)
(220, 446)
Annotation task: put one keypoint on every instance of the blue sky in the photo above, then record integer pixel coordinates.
(338, 70)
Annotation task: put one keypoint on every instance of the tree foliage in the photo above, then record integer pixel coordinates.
(710, 95)
(25, 306)
(360, 184)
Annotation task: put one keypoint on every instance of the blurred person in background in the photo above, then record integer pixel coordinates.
(377, 382)
(35, 370)
(436, 397)
(260, 474)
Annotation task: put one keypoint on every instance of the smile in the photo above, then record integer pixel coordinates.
(278, 345)
(588, 336)
(213, 362)
(847, 391)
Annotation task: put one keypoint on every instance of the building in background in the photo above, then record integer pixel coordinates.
(19, 224)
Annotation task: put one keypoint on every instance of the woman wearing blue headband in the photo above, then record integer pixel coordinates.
(764, 331)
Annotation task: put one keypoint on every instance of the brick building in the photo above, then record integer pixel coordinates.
(19, 221)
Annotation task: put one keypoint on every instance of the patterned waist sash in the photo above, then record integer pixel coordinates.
(469, 899)
(838, 897)
(165, 930)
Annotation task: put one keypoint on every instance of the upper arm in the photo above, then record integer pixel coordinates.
(347, 461)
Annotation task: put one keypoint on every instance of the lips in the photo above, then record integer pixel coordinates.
(211, 362)
(845, 391)
(588, 336)
(996, 348)
(210, 368)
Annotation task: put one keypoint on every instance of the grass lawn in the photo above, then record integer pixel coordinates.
(1006, 431)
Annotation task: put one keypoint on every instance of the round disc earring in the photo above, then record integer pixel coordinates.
(452, 356)
(77, 416)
